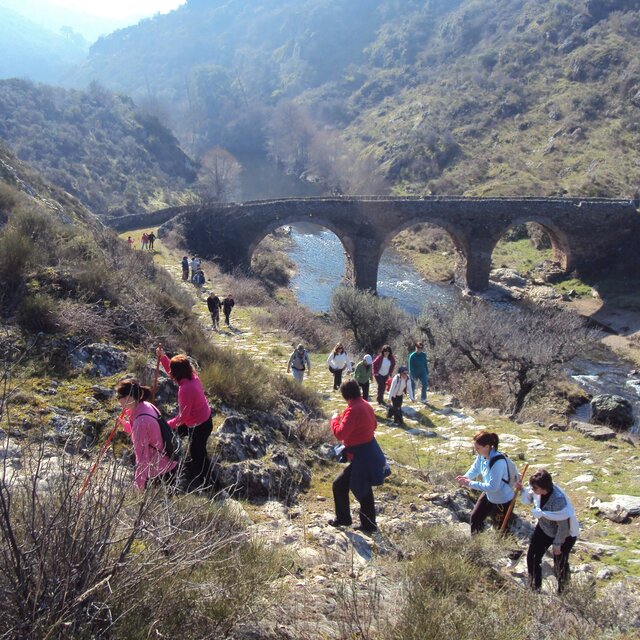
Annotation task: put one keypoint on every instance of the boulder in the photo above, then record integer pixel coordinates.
(99, 359)
(543, 293)
(611, 410)
(278, 476)
(595, 432)
(619, 509)
(508, 277)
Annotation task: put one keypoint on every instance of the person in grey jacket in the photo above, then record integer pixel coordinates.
(299, 361)
(557, 527)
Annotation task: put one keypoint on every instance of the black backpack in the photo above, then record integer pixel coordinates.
(172, 443)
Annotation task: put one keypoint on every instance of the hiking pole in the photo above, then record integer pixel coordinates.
(155, 379)
(510, 509)
(85, 484)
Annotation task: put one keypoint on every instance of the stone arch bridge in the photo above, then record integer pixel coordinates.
(586, 234)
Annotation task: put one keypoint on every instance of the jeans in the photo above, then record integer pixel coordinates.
(365, 389)
(298, 375)
(341, 501)
(483, 509)
(423, 378)
(538, 546)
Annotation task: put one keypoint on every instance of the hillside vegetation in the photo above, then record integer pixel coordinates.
(466, 96)
(96, 145)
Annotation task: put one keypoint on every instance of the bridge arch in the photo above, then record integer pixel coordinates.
(458, 240)
(560, 240)
(345, 240)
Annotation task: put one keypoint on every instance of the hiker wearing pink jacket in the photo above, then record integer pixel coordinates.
(194, 415)
(148, 446)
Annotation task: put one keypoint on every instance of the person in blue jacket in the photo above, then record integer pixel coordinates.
(496, 490)
(419, 370)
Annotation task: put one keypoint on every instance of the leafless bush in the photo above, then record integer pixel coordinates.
(85, 566)
(372, 321)
(518, 349)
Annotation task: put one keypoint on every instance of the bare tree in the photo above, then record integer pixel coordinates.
(289, 137)
(219, 176)
(520, 347)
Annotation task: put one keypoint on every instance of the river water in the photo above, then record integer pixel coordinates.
(319, 259)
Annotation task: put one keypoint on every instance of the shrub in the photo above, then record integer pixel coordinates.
(517, 349)
(272, 266)
(16, 252)
(38, 313)
(111, 564)
(371, 320)
(243, 383)
(298, 322)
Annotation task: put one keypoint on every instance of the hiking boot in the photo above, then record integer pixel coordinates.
(338, 523)
(366, 530)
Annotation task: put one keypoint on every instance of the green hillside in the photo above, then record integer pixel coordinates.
(465, 96)
(96, 145)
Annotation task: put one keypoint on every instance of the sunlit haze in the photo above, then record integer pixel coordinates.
(119, 9)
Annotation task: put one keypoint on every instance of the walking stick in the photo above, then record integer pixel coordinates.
(155, 379)
(510, 509)
(85, 484)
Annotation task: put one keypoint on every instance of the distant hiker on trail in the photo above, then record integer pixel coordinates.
(144, 241)
(419, 370)
(557, 526)
(367, 467)
(195, 265)
(194, 415)
(185, 268)
(152, 238)
(383, 367)
(338, 361)
(496, 489)
(299, 362)
(130, 242)
(363, 375)
(148, 445)
(214, 304)
(400, 385)
(199, 279)
(227, 305)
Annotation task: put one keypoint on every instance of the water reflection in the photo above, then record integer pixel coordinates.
(319, 257)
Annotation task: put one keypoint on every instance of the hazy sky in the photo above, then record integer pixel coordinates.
(119, 9)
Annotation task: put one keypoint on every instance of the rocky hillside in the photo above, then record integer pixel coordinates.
(472, 96)
(96, 145)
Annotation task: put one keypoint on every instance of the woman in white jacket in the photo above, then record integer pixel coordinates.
(338, 361)
(400, 385)
(557, 526)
